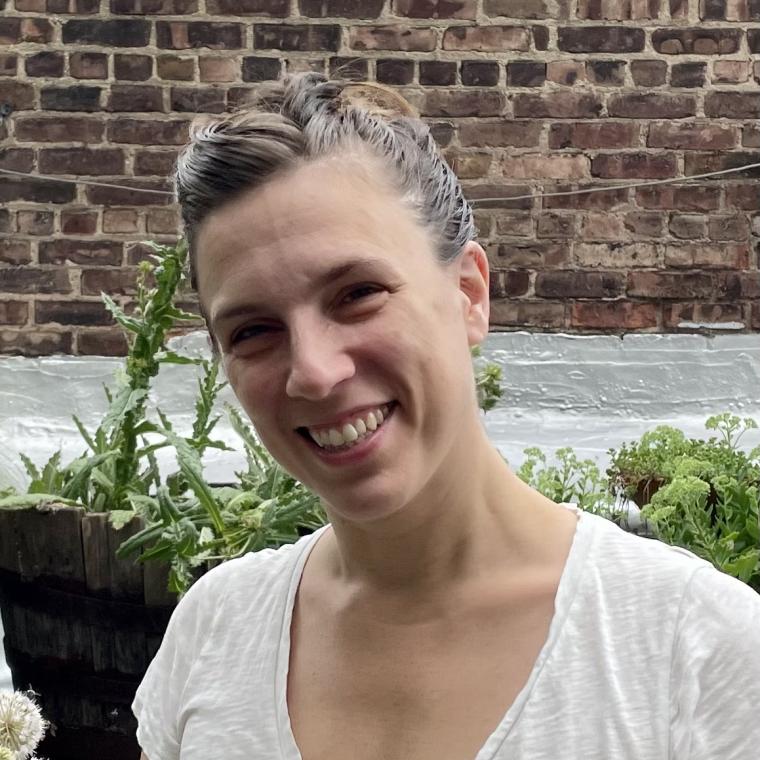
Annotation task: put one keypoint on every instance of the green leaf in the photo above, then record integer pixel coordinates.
(120, 517)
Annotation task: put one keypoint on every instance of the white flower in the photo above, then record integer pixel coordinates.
(21, 724)
(6, 754)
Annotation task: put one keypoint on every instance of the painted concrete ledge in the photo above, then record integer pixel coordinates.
(588, 392)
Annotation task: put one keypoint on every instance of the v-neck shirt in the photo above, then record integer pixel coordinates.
(651, 654)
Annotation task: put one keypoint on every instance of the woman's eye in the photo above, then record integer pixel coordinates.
(251, 331)
(356, 294)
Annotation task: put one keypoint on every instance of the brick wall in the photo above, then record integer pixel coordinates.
(525, 96)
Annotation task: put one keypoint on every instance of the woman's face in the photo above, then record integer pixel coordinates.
(344, 339)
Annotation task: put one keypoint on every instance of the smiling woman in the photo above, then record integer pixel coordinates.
(440, 614)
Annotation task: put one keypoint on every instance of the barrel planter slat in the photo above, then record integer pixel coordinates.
(81, 626)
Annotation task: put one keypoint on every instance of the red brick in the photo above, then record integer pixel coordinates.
(78, 98)
(691, 74)
(733, 227)
(155, 162)
(34, 343)
(100, 252)
(19, 95)
(10, 31)
(136, 97)
(173, 67)
(463, 103)
(438, 73)
(111, 32)
(707, 256)
(182, 35)
(573, 284)
(613, 315)
(17, 159)
(657, 105)
(540, 254)
(672, 285)
(248, 7)
(744, 197)
(36, 190)
(85, 65)
(618, 10)
(120, 220)
(517, 224)
(731, 72)
(101, 343)
(648, 73)
(688, 226)
(465, 9)
(392, 37)
(162, 221)
(526, 73)
(634, 165)
(527, 9)
(616, 255)
(698, 41)
(600, 39)
(91, 161)
(33, 280)
(480, 73)
(543, 166)
(562, 104)
(675, 314)
(733, 105)
(44, 64)
(148, 132)
(106, 196)
(702, 163)
(303, 37)
(505, 195)
(396, 71)
(599, 199)
(551, 225)
(596, 134)
(756, 315)
(8, 64)
(36, 30)
(30, 6)
(155, 7)
(6, 220)
(527, 313)
(644, 224)
(72, 313)
(133, 68)
(470, 165)
(79, 222)
(683, 198)
(566, 72)
(14, 312)
(495, 39)
(350, 67)
(218, 69)
(600, 226)
(211, 99)
(34, 222)
(113, 281)
(500, 134)
(78, 7)
(706, 136)
(606, 73)
(15, 252)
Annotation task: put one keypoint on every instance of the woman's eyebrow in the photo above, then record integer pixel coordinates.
(329, 275)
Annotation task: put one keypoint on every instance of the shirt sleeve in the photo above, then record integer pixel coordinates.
(715, 671)
(160, 696)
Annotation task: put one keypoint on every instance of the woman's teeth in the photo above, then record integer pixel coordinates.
(351, 433)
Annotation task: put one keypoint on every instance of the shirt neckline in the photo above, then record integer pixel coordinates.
(565, 591)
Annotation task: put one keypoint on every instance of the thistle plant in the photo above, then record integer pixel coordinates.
(22, 726)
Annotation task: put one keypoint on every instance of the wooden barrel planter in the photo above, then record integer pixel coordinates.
(81, 626)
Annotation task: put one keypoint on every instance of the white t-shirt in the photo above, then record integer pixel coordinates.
(652, 654)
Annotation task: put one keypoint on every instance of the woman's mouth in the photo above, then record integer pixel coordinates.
(361, 428)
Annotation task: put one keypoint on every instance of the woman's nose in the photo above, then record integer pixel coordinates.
(318, 362)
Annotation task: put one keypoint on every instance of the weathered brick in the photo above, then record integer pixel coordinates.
(600, 39)
(674, 315)
(517, 224)
(465, 9)
(77, 98)
(198, 99)
(558, 105)
(693, 136)
(10, 31)
(259, 69)
(566, 72)
(520, 313)
(154, 7)
(540, 37)
(397, 71)
(438, 73)
(120, 220)
(679, 9)
(154, 162)
(528, 9)
(699, 41)
(35, 222)
(730, 72)
(702, 163)
(692, 74)
(173, 67)
(34, 280)
(218, 69)
(733, 227)
(712, 10)
(618, 10)
(238, 97)
(34, 343)
(300, 65)
(509, 283)
(707, 256)
(552, 225)
(753, 40)
(545, 167)
(340, 8)
(732, 105)
(506, 196)
(14, 312)
(17, 159)
(442, 132)
(526, 73)
(15, 252)
(470, 165)
(101, 343)
(8, 64)
(182, 35)
(463, 103)
(595, 134)
(484, 39)
(136, 97)
(606, 73)
(88, 65)
(30, 6)
(133, 68)
(480, 73)
(655, 105)
(275, 8)
(36, 190)
(297, 37)
(6, 220)
(648, 73)
(391, 37)
(79, 222)
(743, 197)
(634, 165)
(669, 285)
(599, 226)
(162, 221)
(343, 67)
(20, 95)
(613, 315)
(541, 254)
(603, 200)
(121, 281)
(684, 198)
(687, 226)
(45, 64)
(111, 32)
(572, 284)
(88, 252)
(644, 224)
(148, 132)
(751, 136)
(72, 313)
(619, 255)
(89, 161)
(34, 30)
(78, 7)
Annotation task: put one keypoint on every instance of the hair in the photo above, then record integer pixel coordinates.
(305, 116)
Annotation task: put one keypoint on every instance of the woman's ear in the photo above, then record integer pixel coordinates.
(473, 284)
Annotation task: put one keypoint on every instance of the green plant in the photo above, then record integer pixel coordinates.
(488, 378)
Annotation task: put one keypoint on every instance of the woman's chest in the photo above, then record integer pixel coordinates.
(362, 690)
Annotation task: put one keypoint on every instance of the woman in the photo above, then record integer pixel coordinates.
(448, 611)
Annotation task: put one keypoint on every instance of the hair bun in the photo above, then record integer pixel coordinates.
(377, 99)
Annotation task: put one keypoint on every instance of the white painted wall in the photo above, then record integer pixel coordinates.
(588, 392)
